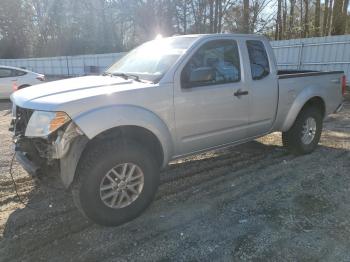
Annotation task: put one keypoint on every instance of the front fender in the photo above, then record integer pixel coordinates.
(301, 99)
(98, 120)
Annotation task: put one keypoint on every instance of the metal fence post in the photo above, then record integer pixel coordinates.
(300, 56)
(67, 66)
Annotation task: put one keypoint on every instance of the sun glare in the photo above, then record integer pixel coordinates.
(158, 37)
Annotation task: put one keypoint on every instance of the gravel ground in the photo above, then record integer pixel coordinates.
(249, 203)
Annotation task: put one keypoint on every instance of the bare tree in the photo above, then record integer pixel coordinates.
(317, 17)
(291, 17)
(339, 19)
(306, 19)
(284, 18)
(246, 16)
(325, 18)
(279, 29)
(330, 17)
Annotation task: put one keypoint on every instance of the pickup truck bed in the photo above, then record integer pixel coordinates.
(303, 73)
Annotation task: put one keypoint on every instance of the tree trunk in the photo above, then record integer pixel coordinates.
(211, 16)
(279, 20)
(220, 16)
(284, 27)
(276, 31)
(325, 18)
(338, 24)
(329, 19)
(291, 18)
(301, 18)
(245, 16)
(317, 17)
(216, 14)
(185, 17)
(306, 19)
(345, 13)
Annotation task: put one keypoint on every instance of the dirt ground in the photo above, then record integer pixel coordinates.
(254, 202)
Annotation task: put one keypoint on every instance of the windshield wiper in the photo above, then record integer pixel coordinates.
(127, 76)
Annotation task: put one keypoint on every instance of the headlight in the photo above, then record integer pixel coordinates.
(43, 123)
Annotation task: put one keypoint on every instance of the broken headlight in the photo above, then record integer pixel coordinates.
(43, 123)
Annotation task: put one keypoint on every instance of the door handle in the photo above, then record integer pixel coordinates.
(240, 93)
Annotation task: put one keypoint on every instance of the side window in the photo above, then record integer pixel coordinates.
(4, 72)
(259, 63)
(19, 73)
(216, 62)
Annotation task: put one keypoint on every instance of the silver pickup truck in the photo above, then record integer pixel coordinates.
(108, 136)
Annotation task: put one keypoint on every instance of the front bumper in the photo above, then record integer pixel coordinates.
(29, 166)
(57, 153)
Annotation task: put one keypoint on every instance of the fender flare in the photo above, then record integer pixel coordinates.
(98, 120)
(299, 102)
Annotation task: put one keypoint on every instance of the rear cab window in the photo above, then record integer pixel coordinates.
(259, 62)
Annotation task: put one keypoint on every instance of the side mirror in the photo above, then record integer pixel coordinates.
(201, 75)
(259, 71)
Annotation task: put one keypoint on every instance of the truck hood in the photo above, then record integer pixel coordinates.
(81, 91)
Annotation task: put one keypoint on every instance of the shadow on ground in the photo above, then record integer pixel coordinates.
(254, 201)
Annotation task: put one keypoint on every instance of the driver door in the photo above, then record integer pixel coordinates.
(209, 111)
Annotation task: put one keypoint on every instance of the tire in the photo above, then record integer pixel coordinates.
(92, 172)
(294, 139)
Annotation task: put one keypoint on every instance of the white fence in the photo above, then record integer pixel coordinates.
(319, 53)
(66, 65)
(331, 53)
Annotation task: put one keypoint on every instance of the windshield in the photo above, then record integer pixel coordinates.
(153, 59)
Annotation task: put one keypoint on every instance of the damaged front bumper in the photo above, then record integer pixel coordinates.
(57, 153)
(29, 166)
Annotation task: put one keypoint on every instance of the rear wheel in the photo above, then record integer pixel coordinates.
(304, 135)
(116, 182)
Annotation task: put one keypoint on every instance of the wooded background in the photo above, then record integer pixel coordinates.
(37, 28)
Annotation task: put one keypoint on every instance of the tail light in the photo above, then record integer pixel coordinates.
(14, 86)
(41, 78)
(343, 84)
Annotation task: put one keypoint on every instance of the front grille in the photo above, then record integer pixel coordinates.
(21, 121)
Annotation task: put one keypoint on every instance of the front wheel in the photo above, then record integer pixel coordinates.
(304, 135)
(116, 182)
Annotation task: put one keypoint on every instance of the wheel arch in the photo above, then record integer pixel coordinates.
(23, 86)
(129, 121)
(300, 104)
(134, 133)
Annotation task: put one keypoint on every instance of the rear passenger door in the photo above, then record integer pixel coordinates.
(6, 82)
(263, 89)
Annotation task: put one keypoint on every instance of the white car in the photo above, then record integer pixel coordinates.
(13, 78)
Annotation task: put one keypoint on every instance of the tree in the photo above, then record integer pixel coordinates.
(339, 19)
(291, 17)
(306, 30)
(279, 29)
(317, 17)
(325, 18)
(246, 16)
